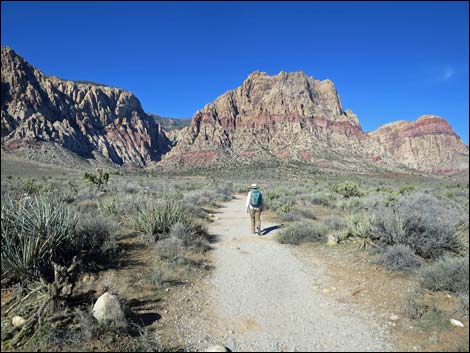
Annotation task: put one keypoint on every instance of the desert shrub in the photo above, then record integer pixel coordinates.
(406, 188)
(94, 237)
(414, 306)
(400, 258)
(193, 236)
(447, 274)
(156, 222)
(170, 249)
(333, 223)
(34, 232)
(357, 225)
(421, 222)
(98, 180)
(201, 197)
(463, 303)
(131, 188)
(351, 204)
(301, 232)
(109, 204)
(347, 189)
(224, 192)
(322, 199)
(291, 216)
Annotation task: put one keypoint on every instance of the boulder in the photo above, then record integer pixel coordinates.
(18, 321)
(108, 309)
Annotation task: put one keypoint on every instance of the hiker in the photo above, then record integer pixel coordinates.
(254, 206)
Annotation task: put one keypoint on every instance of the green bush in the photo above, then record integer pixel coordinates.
(347, 189)
(158, 221)
(301, 232)
(34, 232)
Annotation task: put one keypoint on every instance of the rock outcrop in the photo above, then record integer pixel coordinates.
(428, 144)
(85, 118)
(287, 116)
(291, 116)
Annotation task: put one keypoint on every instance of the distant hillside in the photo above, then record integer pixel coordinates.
(170, 124)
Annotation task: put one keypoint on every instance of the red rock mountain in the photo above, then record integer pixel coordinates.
(292, 116)
(86, 118)
(289, 116)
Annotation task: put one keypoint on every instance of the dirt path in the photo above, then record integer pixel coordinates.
(263, 298)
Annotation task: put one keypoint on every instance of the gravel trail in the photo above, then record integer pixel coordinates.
(265, 297)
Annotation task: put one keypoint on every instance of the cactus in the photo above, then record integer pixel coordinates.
(100, 180)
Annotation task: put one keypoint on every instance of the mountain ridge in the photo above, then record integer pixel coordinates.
(287, 116)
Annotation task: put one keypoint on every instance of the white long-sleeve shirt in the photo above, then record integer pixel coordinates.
(248, 199)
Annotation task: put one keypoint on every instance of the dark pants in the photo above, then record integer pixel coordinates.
(255, 214)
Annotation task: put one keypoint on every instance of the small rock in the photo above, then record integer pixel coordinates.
(456, 323)
(326, 290)
(394, 317)
(332, 240)
(218, 349)
(108, 308)
(18, 321)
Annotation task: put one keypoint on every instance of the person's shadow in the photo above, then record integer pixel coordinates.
(268, 230)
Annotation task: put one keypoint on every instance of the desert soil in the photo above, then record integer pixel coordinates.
(263, 296)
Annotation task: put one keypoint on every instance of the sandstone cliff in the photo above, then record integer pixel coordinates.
(287, 116)
(86, 118)
(291, 116)
(428, 144)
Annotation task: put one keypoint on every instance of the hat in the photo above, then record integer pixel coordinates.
(254, 186)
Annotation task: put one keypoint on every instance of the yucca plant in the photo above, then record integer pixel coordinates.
(157, 221)
(33, 232)
(358, 226)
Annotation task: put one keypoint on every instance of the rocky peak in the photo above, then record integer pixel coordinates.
(427, 144)
(85, 118)
(286, 94)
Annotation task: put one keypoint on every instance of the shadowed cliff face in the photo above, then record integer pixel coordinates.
(295, 117)
(85, 118)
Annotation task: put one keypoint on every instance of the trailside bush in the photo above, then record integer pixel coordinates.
(447, 274)
(301, 232)
(400, 258)
(420, 222)
(157, 221)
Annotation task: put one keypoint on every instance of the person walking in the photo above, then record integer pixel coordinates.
(254, 206)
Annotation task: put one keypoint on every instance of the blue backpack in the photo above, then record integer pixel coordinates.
(255, 198)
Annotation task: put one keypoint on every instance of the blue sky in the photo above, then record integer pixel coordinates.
(389, 61)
